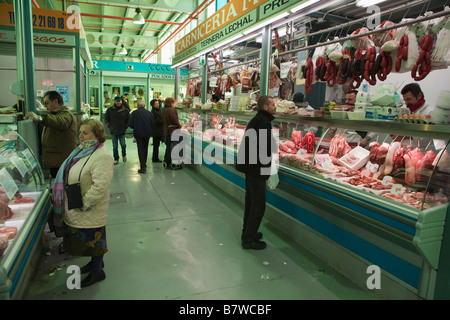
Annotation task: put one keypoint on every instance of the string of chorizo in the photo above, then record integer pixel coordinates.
(402, 53)
(423, 64)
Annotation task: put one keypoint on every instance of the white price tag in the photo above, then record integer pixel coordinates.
(328, 166)
(19, 164)
(301, 151)
(387, 180)
(29, 156)
(396, 188)
(8, 183)
(284, 69)
(373, 167)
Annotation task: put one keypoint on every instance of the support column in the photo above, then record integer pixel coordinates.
(265, 63)
(205, 79)
(25, 18)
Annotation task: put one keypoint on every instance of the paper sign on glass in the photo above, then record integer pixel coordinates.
(8, 183)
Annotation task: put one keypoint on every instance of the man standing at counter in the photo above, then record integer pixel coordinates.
(59, 136)
(415, 99)
(258, 138)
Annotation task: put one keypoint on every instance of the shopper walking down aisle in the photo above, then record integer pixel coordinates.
(257, 170)
(158, 130)
(59, 136)
(90, 166)
(116, 119)
(142, 123)
(171, 123)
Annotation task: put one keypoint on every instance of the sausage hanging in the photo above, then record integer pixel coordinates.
(423, 64)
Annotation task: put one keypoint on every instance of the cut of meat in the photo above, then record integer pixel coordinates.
(390, 157)
(9, 231)
(424, 166)
(411, 159)
(24, 200)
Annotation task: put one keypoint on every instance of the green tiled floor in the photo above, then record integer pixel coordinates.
(172, 236)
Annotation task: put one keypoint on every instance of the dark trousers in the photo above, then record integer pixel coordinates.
(142, 146)
(255, 205)
(169, 147)
(156, 143)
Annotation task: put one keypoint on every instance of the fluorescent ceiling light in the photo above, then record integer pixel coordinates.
(306, 4)
(138, 18)
(123, 51)
(367, 3)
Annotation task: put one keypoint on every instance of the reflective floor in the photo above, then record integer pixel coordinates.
(172, 235)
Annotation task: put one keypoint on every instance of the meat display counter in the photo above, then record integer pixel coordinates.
(25, 203)
(381, 204)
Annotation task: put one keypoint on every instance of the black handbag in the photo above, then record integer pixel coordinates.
(74, 198)
(73, 191)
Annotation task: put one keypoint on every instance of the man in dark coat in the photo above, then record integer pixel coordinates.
(142, 123)
(116, 119)
(158, 130)
(254, 159)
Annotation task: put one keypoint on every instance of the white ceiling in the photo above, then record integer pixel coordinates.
(108, 24)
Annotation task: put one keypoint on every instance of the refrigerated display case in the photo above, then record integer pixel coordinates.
(25, 203)
(384, 204)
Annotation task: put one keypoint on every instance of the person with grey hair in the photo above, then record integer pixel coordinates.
(258, 138)
(142, 122)
(59, 137)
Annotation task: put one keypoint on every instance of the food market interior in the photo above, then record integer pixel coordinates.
(363, 162)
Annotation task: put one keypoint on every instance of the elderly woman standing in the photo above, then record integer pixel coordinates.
(171, 123)
(83, 227)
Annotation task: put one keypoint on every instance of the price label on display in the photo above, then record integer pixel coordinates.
(324, 160)
(19, 164)
(29, 157)
(387, 180)
(284, 69)
(396, 188)
(301, 151)
(8, 183)
(373, 167)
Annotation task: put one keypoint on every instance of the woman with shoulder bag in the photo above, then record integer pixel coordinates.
(81, 199)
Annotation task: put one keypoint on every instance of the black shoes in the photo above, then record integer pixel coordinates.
(157, 160)
(171, 166)
(142, 170)
(87, 268)
(257, 245)
(90, 279)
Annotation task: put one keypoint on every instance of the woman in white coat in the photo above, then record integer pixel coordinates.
(84, 227)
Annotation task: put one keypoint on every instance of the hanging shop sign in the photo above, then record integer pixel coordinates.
(162, 76)
(41, 38)
(111, 65)
(232, 19)
(42, 19)
(230, 12)
(271, 8)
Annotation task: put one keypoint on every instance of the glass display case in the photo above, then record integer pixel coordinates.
(405, 163)
(25, 202)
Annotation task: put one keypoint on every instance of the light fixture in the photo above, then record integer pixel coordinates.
(123, 51)
(367, 3)
(138, 18)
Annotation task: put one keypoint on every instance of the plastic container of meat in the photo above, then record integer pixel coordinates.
(355, 159)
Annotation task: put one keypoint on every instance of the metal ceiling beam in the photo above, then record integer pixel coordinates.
(191, 17)
(126, 18)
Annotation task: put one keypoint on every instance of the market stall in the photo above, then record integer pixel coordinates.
(383, 203)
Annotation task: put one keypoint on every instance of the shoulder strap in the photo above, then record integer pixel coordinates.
(79, 177)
